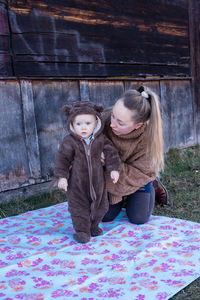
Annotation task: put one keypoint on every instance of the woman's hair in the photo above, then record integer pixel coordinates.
(146, 108)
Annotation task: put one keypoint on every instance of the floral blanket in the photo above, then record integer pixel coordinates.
(40, 260)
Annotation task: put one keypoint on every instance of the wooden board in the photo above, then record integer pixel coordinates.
(32, 126)
(178, 113)
(194, 13)
(5, 58)
(89, 38)
(105, 92)
(49, 97)
(14, 168)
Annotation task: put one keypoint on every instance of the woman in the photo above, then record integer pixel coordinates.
(135, 127)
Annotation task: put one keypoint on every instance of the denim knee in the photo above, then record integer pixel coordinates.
(138, 219)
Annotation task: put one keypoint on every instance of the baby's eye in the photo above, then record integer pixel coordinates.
(88, 123)
(78, 124)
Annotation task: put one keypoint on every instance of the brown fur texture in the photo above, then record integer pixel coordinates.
(81, 165)
(136, 168)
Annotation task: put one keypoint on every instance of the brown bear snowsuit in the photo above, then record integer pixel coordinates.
(81, 165)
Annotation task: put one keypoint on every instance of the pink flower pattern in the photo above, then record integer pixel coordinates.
(40, 260)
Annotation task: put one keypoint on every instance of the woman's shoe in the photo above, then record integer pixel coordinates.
(161, 194)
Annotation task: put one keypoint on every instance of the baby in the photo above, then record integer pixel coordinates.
(79, 170)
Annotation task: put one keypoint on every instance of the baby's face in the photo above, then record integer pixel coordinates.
(84, 125)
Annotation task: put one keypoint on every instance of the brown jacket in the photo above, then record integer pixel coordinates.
(86, 180)
(136, 168)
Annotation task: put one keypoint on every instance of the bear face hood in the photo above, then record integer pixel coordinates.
(84, 107)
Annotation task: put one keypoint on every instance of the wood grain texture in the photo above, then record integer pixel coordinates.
(14, 169)
(178, 114)
(5, 58)
(105, 92)
(49, 97)
(194, 13)
(5, 65)
(32, 126)
(90, 38)
(30, 129)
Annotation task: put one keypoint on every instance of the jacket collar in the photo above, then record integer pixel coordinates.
(132, 135)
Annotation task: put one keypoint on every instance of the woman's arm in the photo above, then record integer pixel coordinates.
(133, 175)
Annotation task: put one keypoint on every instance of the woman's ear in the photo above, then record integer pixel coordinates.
(138, 125)
(65, 110)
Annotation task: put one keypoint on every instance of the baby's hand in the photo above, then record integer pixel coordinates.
(63, 184)
(114, 176)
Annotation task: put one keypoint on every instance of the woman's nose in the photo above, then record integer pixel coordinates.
(113, 124)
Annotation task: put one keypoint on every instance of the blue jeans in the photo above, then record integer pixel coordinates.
(139, 206)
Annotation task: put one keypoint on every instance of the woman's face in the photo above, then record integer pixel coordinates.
(122, 119)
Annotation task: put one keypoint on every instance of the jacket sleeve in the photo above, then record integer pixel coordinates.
(64, 158)
(135, 173)
(112, 159)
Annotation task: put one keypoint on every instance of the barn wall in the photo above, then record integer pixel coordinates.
(54, 52)
(95, 38)
(32, 126)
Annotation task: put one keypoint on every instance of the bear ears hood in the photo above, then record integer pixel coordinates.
(84, 107)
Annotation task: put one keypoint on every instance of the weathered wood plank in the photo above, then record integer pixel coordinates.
(30, 129)
(25, 191)
(194, 17)
(146, 39)
(105, 92)
(178, 113)
(14, 169)
(49, 97)
(3, 2)
(84, 90)
(154, 85)
(70, 47)
(5, 58)
(4, 28)
(4, 44)
(30, 68)
(5, 65)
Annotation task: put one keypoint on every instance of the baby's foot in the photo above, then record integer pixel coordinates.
(81, 237)
(96, 231)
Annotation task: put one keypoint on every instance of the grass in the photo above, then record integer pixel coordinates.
(182, 179)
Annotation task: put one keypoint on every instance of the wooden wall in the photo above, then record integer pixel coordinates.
(95, 38)
(54, 52)
(32, 126)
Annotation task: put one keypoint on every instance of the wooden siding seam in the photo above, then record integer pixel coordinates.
(102, 78)
(84, 90)
(30, 128)
(10, 43)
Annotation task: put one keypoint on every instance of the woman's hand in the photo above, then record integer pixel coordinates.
(63, 184)
(114, 176)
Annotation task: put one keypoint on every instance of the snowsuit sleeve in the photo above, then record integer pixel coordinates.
(64, 158)
(112, 159)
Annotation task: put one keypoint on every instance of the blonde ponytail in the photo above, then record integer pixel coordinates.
(146, 107)
(155, 133)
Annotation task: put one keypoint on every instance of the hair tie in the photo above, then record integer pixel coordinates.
(145, 95)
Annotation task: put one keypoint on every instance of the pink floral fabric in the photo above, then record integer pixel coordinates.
(40, 260)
